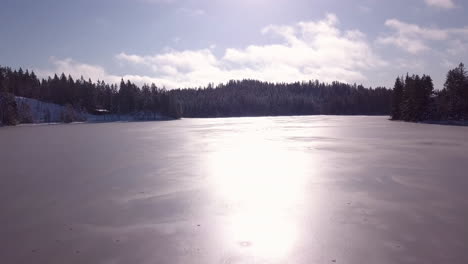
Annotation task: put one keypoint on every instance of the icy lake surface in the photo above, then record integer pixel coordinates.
(318, 189)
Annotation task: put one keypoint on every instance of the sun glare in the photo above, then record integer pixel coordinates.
(262, 181)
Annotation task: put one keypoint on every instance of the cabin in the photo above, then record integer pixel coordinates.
(100, 111)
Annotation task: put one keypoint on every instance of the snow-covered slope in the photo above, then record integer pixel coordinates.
(41, 112)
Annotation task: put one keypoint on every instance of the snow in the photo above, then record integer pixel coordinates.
(40, 110)
(128, 117)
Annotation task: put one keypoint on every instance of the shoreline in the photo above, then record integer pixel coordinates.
(435, 122)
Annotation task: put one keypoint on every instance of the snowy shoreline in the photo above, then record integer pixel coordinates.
(33, 112)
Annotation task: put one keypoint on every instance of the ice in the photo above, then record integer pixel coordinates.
(311, 189)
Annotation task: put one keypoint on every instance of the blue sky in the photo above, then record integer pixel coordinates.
(188, 43)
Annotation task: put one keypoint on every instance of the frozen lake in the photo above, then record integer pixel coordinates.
(318, 189)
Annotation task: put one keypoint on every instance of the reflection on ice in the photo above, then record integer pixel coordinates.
(265, 233)
(261, 180)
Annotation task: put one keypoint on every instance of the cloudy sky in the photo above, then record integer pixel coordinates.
(189, 43)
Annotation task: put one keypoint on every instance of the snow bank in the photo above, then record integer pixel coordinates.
(41, 112)
(36, 111)
(139, 116)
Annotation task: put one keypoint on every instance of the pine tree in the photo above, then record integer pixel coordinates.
(427, 91)
(8, 109)
(456, 86)
(2, 81)
(397, 99)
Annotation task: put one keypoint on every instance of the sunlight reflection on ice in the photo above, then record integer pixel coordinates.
(262, 180)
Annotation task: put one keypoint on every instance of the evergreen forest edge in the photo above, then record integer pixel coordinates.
(413, 98)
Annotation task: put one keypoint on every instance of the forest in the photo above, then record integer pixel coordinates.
(415, 100)
(256, 98)
(80, 95)
(233, 99)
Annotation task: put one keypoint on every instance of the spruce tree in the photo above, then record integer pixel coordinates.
(397, 99)
(427, 87)
(457, 92)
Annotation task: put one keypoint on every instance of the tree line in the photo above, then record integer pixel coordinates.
(414, 98)
(82, 95)
(235, 98)
(256, 98)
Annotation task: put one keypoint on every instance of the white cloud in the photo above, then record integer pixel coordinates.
(95, 72)
(416, 39)
(130, 58)
(76, 69)
(307, 51)
(447, 4)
